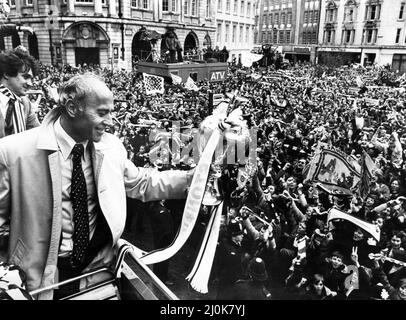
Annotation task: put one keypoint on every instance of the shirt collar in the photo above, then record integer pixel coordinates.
(8, 93)
(65, 141)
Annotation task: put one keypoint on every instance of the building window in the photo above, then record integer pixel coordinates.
(306, 17)
(289, 17)
(219, 5)
(165, 5)
(372, 12)
(350, 15)
(281, 36)
(314, 37)
(134, 3)
(369, 36)
(247, 34)
(316, 16)
(402, 8)
(304, 38)
(175, 5)
(193, 8)
(228, 4)
(265, 19)
(84, 1)
(276, 18)
(399, 63)
(329, 36)
(234, 34)
(248, 9)
(275, 36)
(348, 36)
(219, 27)
(12, 3)
(398, 35)
(227, 33)
(263, 37)
(235, 6)
(208, 9)
(242, 7)
(287, 36)
(331, 15)
(241, 35)
(271, 19)
(283, 18)
(28, 2)
(186, 7)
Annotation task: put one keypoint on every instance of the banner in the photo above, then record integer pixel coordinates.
(367, 167)
(256, 76)
(190, 84)
(371, 228)
(372, 102)
(334, 171)
(248, 58)
(153, 84)
(176, 79)
(359, 82)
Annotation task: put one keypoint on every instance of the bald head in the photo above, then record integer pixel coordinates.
(82, 87)
(87, 104)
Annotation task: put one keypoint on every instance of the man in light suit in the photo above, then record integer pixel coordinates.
(55, 230)
(17, 69)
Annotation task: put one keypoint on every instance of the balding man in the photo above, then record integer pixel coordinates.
(63, 188)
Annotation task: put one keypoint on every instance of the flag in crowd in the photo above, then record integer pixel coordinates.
(371, 228)
(191, 85)
(359, 82)
(367, 167)
(334, 171)
(153, 84)
(256, 76)
(176, 79)
(248, 58)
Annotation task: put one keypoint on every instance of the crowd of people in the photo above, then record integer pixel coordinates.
(275, 241)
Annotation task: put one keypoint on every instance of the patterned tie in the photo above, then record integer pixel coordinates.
(79, 203)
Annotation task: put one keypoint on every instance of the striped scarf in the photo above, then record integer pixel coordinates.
(15, 118)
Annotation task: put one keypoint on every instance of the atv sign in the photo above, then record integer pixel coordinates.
(217, 75)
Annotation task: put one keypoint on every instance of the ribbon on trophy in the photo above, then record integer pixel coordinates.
(199, 276)
(196, 193)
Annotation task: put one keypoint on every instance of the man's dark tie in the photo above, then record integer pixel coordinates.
(79, 203)
(8, 130)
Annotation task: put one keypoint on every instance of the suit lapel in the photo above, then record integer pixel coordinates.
(56, 228)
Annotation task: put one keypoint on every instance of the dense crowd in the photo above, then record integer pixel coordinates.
(275, 240)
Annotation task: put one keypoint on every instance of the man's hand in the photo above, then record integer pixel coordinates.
(354, 256)
(286, 166)
(244, 212)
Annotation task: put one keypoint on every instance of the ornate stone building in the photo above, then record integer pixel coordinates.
(235, 21)
(108, 32)
(364, 31)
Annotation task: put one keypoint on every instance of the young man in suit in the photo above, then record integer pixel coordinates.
(17, 69)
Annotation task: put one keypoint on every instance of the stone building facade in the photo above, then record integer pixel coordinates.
(108, 32)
